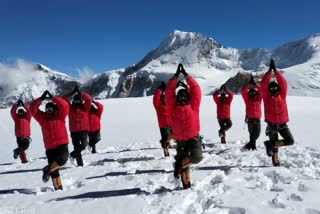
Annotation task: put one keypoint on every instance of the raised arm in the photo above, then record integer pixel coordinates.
(88, 99)
(195, 92)
(100, 109)
(170, 92)
(283, 86)
(62, 106)
(34, 108)
(156, 98)
(244, 92)
(265, 82)
(13, 111)
(230, 96)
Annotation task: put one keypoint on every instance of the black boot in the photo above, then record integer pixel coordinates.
(79, 160)
(93, 149)
(45, 174)
(16, 153)
(251, 145)
(269, 147)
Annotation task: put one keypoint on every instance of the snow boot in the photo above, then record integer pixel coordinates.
(275, 159)
(93, 150)
(249, 146)
(57, 183)
(185, 178)
(166, 152)
(269, 147)
(79, 160)
(179, 166)
(222, 135)
(45, 174)
(23, 157)
(47, 170)
(16, 153)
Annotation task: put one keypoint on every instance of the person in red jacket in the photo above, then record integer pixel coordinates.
(55, 136)
(160, 106)
(251, 94)
(79, 126)
(223, 98)
(183, 102)
(94, 135)
(21, 116)
(276, 113)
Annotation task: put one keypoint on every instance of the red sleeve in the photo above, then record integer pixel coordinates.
(215, 96)
(282, 84)
(265, 83)
(88, 100)
(62, 106)
(99, 110)
(259, 94)
(170, 92)
(195, 92)
(13, 111)
(28, 113)
(230, 96)
(34, 108)
(244, 92)
(156, 98)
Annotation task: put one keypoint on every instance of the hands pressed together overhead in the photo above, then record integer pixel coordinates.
(46, 95)
(181, 70)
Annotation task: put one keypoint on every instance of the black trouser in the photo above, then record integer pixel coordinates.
(59, 155)
(283, 129)
(224, 124)
(79, 141)
(94, 137)
(165, 136)
(23, 143)
(254, 128)
(191, 149)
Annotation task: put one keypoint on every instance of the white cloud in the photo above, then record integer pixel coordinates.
(16, 73)
(85, 74)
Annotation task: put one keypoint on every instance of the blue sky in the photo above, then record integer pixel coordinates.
(67, 35)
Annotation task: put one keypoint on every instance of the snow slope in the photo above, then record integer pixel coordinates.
(130, 175)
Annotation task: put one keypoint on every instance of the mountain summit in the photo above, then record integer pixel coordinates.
(211, 63)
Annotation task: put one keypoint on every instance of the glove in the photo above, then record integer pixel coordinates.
(223, 88)
(252, 81)
(162, 86)
(178, 71)
(49, 95)
(20, 102)
(272, 66)
(44, 95)
(76, 90)
(182, 70)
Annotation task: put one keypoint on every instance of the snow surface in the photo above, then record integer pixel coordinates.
(130, 175)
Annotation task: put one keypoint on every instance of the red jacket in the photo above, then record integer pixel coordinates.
(95, 116)
(53, 126)
(184, 121)
(21, 123)
(253, 104)
(79, 117)
(223, 106)
(275, 106)
(161, 109)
